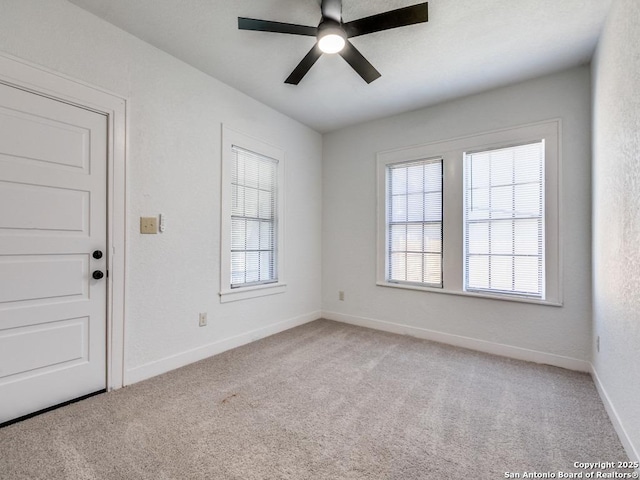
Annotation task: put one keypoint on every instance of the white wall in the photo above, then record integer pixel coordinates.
(616, 218)
(174, 134)
(558, 335)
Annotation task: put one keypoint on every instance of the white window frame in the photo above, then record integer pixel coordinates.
(488, 219)
(231, 138)
(389, 222)
(452, 152)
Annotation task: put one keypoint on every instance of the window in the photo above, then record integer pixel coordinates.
(253, 218)
(251, 243)
(414, 222)
(504, 221)
(497, 233)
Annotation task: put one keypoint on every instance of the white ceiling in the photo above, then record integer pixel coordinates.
(466, 47)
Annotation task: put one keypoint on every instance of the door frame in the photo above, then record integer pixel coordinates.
(18, 73)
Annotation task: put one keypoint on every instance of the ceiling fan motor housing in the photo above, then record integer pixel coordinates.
(331, 36)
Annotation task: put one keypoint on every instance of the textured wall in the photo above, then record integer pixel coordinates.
(616, 214)
(174, 134)
(349, 219)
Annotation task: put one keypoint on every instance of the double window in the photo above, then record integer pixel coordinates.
(251, 243)
(473, 216)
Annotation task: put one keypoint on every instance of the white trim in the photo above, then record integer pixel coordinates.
(230, 138)
(452, 151)
(630, 449)
(178, 360)
(464, 342)
(513, 298)
(228, 295)
(33, 78)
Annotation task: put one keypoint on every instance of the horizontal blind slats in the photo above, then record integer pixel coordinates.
(504, 220)
(253, 218)
(414, 222)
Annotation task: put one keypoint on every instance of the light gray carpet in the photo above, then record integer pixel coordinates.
(324, 401)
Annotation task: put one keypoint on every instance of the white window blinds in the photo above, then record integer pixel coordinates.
(504, 220)
(414, 222)
(253, 219)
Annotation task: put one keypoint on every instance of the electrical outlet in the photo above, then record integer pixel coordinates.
(598, 343)
(149, 225)
(203, 319)
(341, 296)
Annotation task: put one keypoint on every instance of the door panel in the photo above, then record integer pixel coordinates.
(52, 217)
(62, 144)
(37, 209)
(40, 278)
(18, 344)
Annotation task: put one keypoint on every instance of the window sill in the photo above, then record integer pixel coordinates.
(550, 303)
(243, 293)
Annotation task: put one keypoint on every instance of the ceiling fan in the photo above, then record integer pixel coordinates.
(333, 35)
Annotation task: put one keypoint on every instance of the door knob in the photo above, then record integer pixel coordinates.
(97, 274)
(97, 254)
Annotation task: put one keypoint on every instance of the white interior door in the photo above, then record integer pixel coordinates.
(52, 220)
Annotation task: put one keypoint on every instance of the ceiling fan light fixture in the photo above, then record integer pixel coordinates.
(332, 35)
(331, 39)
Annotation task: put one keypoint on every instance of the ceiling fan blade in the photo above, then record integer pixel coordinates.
(332, 9)
(383, 21)
(304, 66)
(277, 27)
(359, 63)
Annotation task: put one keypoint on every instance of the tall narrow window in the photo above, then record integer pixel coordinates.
(504, 221)
(414, 222)
(253, 219)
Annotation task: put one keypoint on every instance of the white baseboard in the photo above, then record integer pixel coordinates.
(181, 359)
(632, 452)
(465, 342)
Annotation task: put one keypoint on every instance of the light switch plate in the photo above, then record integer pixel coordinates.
(149, 225)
